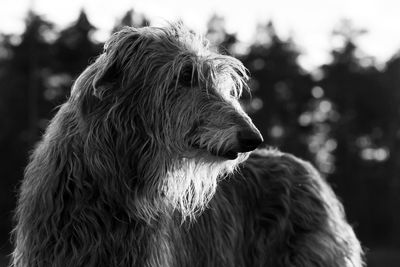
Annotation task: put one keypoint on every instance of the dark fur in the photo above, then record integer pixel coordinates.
(277, 211)
(135, 154)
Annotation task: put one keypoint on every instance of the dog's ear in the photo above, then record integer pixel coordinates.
(111, 64)
(106, 76)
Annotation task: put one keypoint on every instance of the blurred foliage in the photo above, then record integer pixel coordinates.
(344, 117)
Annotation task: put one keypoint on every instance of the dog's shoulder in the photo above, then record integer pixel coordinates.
(303, 220)
(291, 183)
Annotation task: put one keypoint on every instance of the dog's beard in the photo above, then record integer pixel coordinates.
(191, 182)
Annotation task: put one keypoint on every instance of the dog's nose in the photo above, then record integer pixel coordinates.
(249, 139)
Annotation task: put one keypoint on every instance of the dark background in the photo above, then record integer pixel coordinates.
(344, 117)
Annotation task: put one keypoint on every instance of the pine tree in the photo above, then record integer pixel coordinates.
(75, 47)
(132, 19)
(280, 91)
(23, 65)
(364, 106)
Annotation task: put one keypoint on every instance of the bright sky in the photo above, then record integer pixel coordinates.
(310, 22)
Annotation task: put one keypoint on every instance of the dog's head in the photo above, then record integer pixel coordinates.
(176, 103)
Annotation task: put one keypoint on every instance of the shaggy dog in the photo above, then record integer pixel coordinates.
(127, 171)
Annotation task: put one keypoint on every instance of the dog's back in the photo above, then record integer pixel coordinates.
(275, 211)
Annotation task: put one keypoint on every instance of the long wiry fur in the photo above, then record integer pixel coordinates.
(139, 148)
(276, 211)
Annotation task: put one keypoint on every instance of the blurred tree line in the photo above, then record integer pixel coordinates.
(344, 117)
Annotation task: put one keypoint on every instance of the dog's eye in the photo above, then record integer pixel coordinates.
(185, 78)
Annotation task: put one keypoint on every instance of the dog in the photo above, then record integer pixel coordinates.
(149, 163)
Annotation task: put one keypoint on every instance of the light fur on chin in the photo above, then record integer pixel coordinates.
(191, 183)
